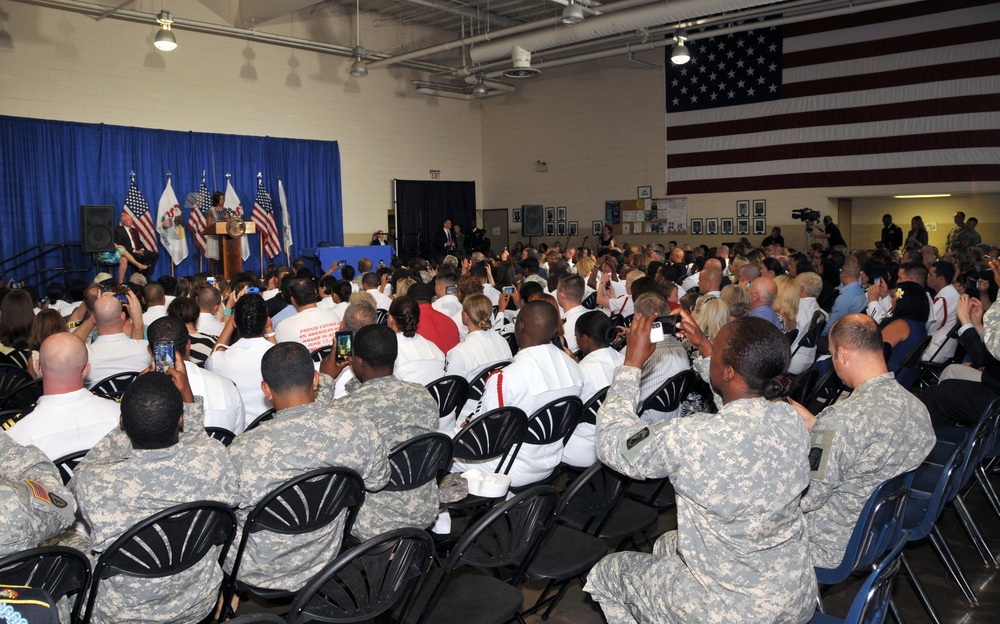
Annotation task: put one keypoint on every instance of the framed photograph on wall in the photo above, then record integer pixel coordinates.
(759, 208)
(711, 226)
(550, 214)
(696, 227)
(561, 228)
(574, 228)
(727, 227)
(645, 192)
(517, 215)
(743, 208)
(742, 227)
(561, 213)
(550, 229)
(759, 225)
(596, 228)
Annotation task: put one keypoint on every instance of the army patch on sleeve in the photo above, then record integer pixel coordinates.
(636, 438)
(38, 491)
(819, 452)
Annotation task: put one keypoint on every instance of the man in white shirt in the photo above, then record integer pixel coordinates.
(446, 290)
(539, 374)
(223, 405)
(940, 278)
(241, 361)
(156, 304)
(68, 418)
(311, 326)
(209, 301)
(569, 295)
(370, 284)
(668, 359)
(112, 351)
(710, 279)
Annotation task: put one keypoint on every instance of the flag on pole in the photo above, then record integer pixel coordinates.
(233, 203)
(263, 216)
(196, 222)
(852, 100)
(171, 225)
(286, 225)
(136, 206)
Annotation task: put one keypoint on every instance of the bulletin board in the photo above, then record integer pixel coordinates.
(647, 216)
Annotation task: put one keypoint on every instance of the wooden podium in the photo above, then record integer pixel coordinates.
(230, 246)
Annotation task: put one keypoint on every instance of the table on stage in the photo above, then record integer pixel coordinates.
(326, 255)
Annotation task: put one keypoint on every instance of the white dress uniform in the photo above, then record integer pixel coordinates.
(241, 363)
(419, 360)
(598, 371)
(66, 423)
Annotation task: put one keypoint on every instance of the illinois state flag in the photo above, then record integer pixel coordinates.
(170, 225)
(233, 203)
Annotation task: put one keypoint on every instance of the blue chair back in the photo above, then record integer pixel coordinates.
(871, 606)
(932, 484)
(878, 529)
(981, 441)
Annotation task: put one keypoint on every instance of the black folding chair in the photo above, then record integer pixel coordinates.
(10, 417)
(450, 393)
(668, 397)
(67, 464)
(59, 570)
(590, 301)
(365, 581)
(592, 406)
(507, 534)
(321, 353)
(221, 434)
(24, 397)
(12, 377)
(381, 316)
(114, 387)
(300, 505)
(496, 434)
(418, 461)
(478, 384)
(263, 418)
(552, 423)
(601, 509)
(816, 326)
(164, 544)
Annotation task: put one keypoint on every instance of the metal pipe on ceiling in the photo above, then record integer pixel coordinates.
(464, 12)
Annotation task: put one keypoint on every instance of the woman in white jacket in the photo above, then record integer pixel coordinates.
(482, 347)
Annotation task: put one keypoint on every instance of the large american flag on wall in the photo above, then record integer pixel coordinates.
(903, 95)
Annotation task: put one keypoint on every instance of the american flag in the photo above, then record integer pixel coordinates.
(135, 205)
(263, 216)
(901, 95)
(196, 222)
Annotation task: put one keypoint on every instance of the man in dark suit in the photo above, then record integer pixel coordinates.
(443, 240)
(128, 237)
(892, 234)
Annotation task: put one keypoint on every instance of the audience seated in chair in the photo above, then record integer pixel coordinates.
(113, 351)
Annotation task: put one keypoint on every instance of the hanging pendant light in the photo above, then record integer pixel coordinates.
(165, 39)
(359, 69)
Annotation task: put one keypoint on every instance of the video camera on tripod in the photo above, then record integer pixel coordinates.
(808, 216)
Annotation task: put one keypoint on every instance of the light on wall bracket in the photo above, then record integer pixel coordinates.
(165, 39)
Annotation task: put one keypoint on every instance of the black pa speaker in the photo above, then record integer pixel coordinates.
(97, 228)
(532, 223)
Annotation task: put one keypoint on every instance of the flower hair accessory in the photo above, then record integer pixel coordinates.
(899, 293)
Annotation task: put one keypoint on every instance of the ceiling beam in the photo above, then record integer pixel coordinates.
(255, 12)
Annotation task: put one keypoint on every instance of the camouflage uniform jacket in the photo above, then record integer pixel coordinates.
(876, 433)
(36, 504)
(991, 330)
(297, 440)
(118, 486)
(740, 552)
(400, 410)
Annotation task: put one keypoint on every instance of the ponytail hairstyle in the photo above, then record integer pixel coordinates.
(597, 326)
(757, 351)
(405, 311)
(479, 309)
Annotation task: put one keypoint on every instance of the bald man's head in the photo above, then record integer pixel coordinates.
(764, 290)
(713, 263)
(108, 315)
(62, 360)
(710, 279)
(536, 324)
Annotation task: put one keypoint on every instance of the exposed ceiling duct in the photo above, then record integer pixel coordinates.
(613, 24)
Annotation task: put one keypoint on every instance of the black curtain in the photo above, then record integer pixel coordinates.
(421, 208)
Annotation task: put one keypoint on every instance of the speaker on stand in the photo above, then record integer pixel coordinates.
(97, 228)
(532, 221)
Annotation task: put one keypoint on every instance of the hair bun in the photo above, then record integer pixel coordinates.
(777, 387)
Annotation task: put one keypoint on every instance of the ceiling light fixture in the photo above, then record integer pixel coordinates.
(924, 196)
(358, 68)
(572, 14)
(480, 90)
(165, 39)
(680, 55)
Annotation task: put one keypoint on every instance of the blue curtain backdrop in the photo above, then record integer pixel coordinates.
(48, 169)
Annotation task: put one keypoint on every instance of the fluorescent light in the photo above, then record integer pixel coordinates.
(925, 196)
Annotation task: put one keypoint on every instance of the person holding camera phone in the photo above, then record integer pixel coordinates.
(741, 545)
(113, 351)
(668, 358)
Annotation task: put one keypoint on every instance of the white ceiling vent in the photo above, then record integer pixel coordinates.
(522, 68)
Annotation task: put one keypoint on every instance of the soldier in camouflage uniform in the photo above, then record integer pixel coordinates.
(991, 319)
(303, 435)
(400, 410)
(740, 551)
(36, 504)
(143, 468)
(878, 432)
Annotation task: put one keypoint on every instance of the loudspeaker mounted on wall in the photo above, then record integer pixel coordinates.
(532, 220)
(97, 226)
